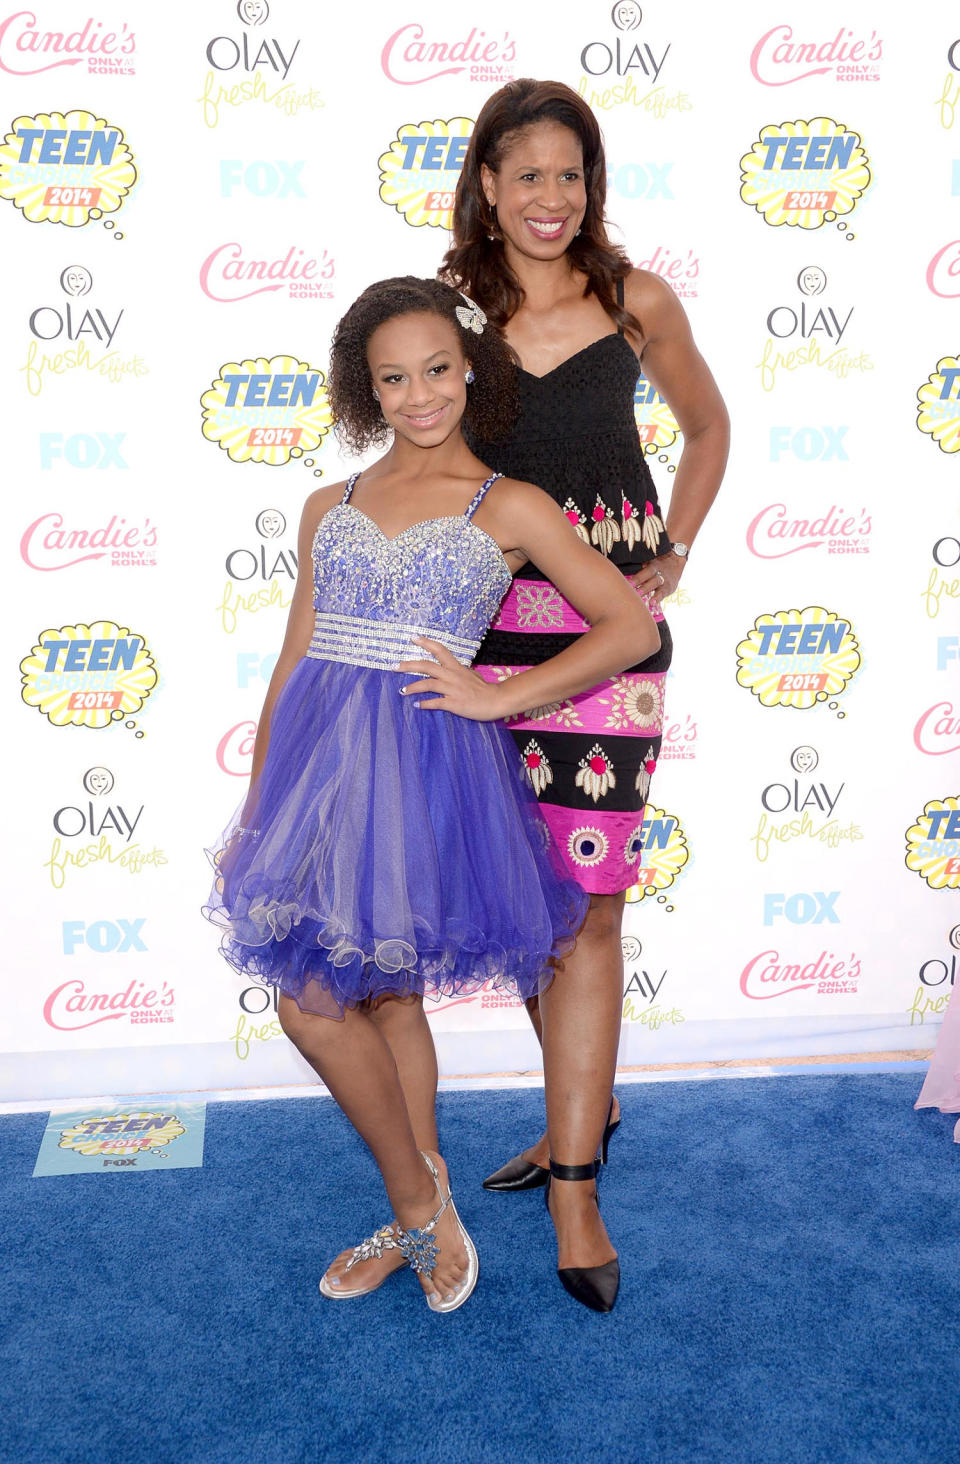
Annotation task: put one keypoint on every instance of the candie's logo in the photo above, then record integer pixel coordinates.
(65, 168)
(420, 169)
(804, 173)
(52, 542)
(132, 1132)
(938, 405)
(411, 56)
(780, 58)
(231, 273)
(933, 844)
(766, 976)
(27, 47)
(88, 675)
(664, 854)
(267, 411)
(797, 658)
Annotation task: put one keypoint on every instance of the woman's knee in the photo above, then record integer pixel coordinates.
(604, 918)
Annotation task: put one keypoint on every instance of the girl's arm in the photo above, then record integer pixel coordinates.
(674, 366)
(622, 630)
(300, 619)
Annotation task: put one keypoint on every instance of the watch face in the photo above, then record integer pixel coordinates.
(681, 550)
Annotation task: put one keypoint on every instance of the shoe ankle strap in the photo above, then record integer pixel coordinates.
(574, 1171)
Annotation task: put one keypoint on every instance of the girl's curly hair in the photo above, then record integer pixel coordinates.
(491, 400)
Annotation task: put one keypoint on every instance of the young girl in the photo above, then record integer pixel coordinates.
(389, 846)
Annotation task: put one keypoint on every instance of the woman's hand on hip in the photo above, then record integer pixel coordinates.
(451, 686)
(660, 577)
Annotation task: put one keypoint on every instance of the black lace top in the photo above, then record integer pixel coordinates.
(576, 437)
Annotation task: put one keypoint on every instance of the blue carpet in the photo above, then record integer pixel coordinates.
(791, 1292)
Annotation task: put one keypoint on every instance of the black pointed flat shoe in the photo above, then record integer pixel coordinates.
(517, 1174)
(593, 1286)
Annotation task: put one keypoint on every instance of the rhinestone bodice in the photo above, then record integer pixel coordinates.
(444, 578)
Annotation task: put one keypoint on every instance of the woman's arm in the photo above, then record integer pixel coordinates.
(674, 366)
(622, 630)
(300, 619)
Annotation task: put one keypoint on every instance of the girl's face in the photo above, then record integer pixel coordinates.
(417, 365)
(539, 192)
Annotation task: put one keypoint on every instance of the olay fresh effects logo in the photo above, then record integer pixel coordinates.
(809, 332)
(267, 411)
(805, 174)
(801, 808)
(623, 67)
(769, 974)
(942, 588)
(28, 46)
(413, 55)
(938, 405)
(252, 66)
(55, 542)
(781, 57)
(68, 168)
(231, 273)
(798, 658)
(94, 675)
(938, 977)
(265, 570)
(643, 1004)
(933, 844)
(420, 170)
(76, 334)
(98, 830)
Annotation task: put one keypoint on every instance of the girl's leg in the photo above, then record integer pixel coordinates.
(581, 1012)
(356, 1063)
(403, 1023)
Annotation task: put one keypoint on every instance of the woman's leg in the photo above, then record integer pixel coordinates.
(581, 1012)
(355, 1062)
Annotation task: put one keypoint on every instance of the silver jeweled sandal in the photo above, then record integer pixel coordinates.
(420, 1248)
(371, 1249)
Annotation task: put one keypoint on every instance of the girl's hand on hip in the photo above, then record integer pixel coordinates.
(660, 577)
(453, 687)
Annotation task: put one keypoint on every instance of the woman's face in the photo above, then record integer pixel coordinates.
(539, 191)
(417, 366)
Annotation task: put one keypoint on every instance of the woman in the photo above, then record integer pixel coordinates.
(530, 246)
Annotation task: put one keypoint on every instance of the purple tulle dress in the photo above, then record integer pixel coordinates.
(941, 1086)
(386, 848)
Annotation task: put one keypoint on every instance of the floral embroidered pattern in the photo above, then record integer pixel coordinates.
(538, 767)
(632, 528)
(538, 605)
(577, 519)
(652, 527)
(606, 531)
(563, 714)
(646, 773)
(587, 846)
(596, 776)
(635, 701)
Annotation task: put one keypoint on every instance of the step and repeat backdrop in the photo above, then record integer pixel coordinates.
(189, 199)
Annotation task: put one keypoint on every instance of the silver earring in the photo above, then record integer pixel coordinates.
(376, 395)
(577, 234)
(469, 376)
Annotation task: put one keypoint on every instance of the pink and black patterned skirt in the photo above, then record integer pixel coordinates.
(590, 758)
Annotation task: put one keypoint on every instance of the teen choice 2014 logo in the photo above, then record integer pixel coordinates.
(805, 174)
(88, 675)
(664, 855)
(933, 844)
(122, 1133)
(420, 169)
(938, 405)
(267, 411)
(797, 658)
(68, 168)
(656, 425)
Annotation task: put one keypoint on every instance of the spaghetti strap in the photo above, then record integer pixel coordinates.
(480, 495)
(351, 484)
(620, 302)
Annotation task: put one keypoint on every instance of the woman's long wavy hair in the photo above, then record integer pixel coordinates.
(476, 262)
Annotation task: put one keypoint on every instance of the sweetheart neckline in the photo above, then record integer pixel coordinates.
(437, 519)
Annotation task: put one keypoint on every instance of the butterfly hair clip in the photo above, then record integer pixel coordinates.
(471, 317)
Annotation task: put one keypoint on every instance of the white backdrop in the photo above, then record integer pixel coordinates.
(191, 198)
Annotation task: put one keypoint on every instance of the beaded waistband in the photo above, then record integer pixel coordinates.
(379, 644)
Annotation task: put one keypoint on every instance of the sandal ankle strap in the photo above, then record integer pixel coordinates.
(574, 1171)
(419, 1245)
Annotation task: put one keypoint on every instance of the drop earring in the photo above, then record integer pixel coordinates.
(469, 376)
(376, 395)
